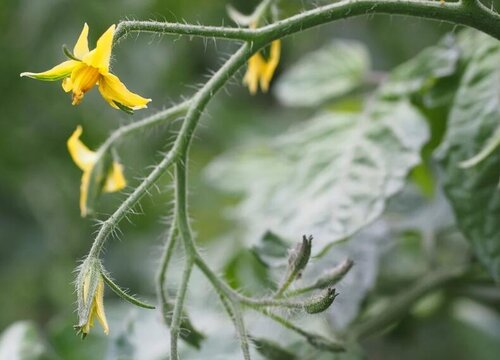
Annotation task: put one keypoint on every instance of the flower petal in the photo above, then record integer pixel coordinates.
(271, 65)
(100, 56)
(84, 192)
(115, 181)
(99, 306)
(58, 72)
(113, 90)
(82, 45)
(83, 157)
(67, 84)
(255, 66)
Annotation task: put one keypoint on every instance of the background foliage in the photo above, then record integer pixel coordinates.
(252, 146)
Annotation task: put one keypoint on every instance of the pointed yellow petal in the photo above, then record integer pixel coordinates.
(100, 56)
(112, 89)
(83, 157)
(115, 180)
(82, 45)
(58, 72)
(99, 306)
(271, 65)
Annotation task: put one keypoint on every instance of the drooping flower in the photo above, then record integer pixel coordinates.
(88, 68)
(261, 71)
(109, 179)
(90, 289)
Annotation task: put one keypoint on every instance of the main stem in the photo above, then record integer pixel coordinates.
(466, 12)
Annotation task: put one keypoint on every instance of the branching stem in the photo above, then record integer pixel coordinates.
(465, 12)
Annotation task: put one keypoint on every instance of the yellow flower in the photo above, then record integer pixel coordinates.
(260, 70)
(89, 68)
(96, 307)
(86, 160)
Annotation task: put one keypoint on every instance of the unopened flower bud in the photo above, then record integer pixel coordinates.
(321, 302)
(299, 256)
(334, 275)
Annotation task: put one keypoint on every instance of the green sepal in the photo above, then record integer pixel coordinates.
(121, 293)
(68, 53)
(124, 108)
(97, 179)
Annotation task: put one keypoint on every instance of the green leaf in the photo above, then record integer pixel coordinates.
(422, 72)
(474, 117)
(22, 341)
(328, 177)
(329, 72)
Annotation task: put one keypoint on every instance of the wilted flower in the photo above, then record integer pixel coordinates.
(108, 177)
(90, 289)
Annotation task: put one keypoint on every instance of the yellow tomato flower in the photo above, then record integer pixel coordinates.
(260, 71)
(89, 68)
(85, 159)
(96, 307)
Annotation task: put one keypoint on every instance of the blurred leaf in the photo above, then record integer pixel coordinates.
(271, 350)
(244, 271)
(21, 341)
(422, 72)
(328, 177)
(326, 73)
(121, 347)
(365, 249)
(474, 192)
(272, 251)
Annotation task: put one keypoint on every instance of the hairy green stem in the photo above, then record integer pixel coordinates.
(168, 251)
(466, 12)
(175, 326)
(158, 118)
(313, 339)
(402, 303)
(234, 313)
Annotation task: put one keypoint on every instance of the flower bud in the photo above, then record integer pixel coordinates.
(299, 256)
(334, 275)
(321, 302)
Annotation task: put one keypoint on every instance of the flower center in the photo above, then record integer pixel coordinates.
(83, 79)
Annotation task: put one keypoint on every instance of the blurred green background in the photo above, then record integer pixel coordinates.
(42, 236)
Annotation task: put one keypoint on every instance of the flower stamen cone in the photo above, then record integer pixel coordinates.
(108, 177)
(89, 68)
